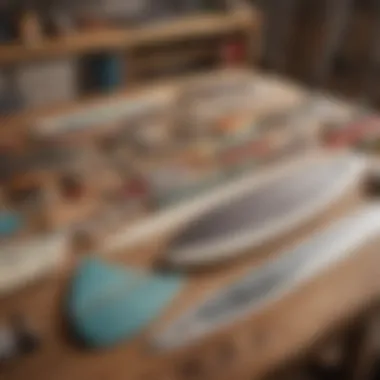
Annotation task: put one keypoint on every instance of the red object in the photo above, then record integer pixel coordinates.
(233, 53)
(354, 133)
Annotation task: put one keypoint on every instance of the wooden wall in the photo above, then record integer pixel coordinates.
(295, 46)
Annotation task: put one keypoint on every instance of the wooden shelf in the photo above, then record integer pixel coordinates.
(94, 41)
(159, 62)
(18, 123)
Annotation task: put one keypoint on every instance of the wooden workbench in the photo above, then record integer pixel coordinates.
(278, 334)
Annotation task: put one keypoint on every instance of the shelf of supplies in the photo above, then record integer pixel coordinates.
(197, 26)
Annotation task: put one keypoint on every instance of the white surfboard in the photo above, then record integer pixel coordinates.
(267, 284)
(262, 211)
(340, 172)
(99, 115)
(25, 261)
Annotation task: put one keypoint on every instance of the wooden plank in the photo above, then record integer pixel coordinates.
(199, 26)
(171, 60)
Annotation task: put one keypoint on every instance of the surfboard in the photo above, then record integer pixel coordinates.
(99, 115)
(267, 284)
(187, 214)
(260, 212)
(22, 262)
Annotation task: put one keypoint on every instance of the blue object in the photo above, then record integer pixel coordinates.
(106, 71)
(108, 304)
(10, 223)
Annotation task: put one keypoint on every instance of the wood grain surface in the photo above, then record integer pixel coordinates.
(272, 337)
(251, 348)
